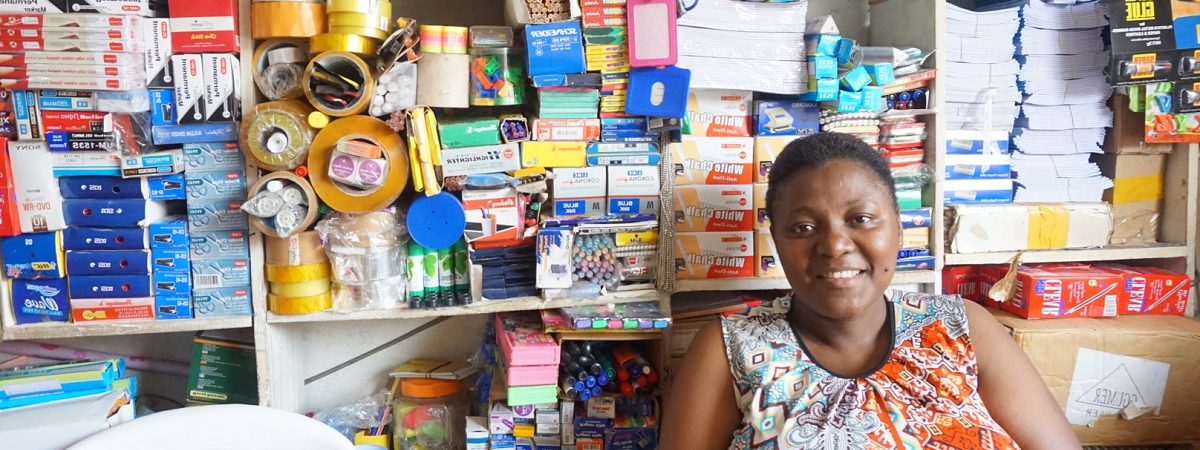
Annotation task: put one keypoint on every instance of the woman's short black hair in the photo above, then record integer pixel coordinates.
(818, 149)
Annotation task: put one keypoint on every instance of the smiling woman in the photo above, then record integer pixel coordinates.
(843, 362)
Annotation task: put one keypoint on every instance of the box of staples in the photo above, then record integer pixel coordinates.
(157, 33)
(172, 283)
(106, 309)
(170, 259)
(779, 117)
(36, 301)
(995, 165)
(714, 255)
(579, 191)
(54, 100)
(714, 208)
(162, 107)
(84, 163)
(210, 156)
(222, 87)
(633, 189)
(107, 262)
(709, 160)
(221, 302)
(33, 256)
(217, 215)
(969, 142)
(109, 286)
(112, 212)
(208, 245)
(92, 238)
(555, 48)
(190, 87)
(168, 187)
(162, 162)
(216, 185)
(221, 273)
(169, 307)
(169, 232)
(718, 113)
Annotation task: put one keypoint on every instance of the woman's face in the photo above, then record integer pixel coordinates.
(837, 232)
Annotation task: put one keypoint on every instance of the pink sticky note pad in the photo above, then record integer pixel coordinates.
(651, 33)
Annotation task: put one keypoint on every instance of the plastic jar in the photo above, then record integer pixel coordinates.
(430, 415)
(496, 77)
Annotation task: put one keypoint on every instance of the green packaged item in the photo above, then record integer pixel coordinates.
(223, 371)
(909, 199)
(475, 132)
(416, 274)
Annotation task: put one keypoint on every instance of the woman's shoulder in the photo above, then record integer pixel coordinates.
(766, 320)
(918, 310)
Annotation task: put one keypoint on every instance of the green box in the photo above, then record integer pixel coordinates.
(223, 371)
(469, 132)
(909, 199)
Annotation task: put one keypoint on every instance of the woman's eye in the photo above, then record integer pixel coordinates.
(863, 220)
(803, 228)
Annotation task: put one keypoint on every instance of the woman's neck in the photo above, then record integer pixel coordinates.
(854, 335)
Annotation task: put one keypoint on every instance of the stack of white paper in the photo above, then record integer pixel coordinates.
(729, 44)
(980, 78)
(1065, 111)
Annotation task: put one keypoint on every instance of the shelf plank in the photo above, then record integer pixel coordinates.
(60, 330)
(1157, 251)
(771, 284)
(488, 307)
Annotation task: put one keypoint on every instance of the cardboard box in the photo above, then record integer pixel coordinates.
(230, 366)
(766, 150)
(108, 309)
(761, 220)
(222, 87)
(714, 208)
(171, 259)
(218, 215)
(204, 27)
(108, 262)
(633, 189)
(1049, 291)
(1000, 228)
(566, 130)
(33, 256)
(52, 100)
(476, 132)
(190, 86)
(85, 163)
(1094, 375)
(1128, 135)
(138, 7)
(967, 167)
(962, 281)
(714, 255)
(555, 247)
(170, 232)
(1150, 290)
(766, 257)
(553, 154)
(475, 160)
(706, 160)
(209, 245)
(1136, 195)
(92, 238)
(492, 214)
(969, 142)
(112, 212)
(194, 133)
(157, 33)
(203, 186)
(109, 286)
(40, 206)
(978, 192)
(220, 273)
(169, 284)
(718, 113)
(555, 48)
(579, 191)
(210, 156)
(169, 307)
(222, 302)
(169, 187)
(36, 301)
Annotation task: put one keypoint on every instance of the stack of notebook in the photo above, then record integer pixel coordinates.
(980, 80)
(528, 359)
(1065, 110)
(732, 44)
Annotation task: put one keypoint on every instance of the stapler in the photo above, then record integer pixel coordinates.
(779, 120)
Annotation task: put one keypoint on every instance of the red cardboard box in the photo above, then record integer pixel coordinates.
(962, 281)
(1068, 290)
(73, 121)
(1150, 290)
(204, 27)
(10, 221)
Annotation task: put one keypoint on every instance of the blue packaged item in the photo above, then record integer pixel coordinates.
(58, 141)
(821, 44)
(112, 213)
(163, 162)
(915, 263)
(217, 215)
(523, 443)
(169, 187)
(194, 133)
(162, 107)
(882, 74)
(624, 159)
(845, 50)
(786, 118)
(24, 104)
(213, 156)
(90, 238)
(51, 100)
(555, 48)
(108, 262)
(502, 442)
(978, 192)
(36, 301)
(872, 99)
(208, 245)
(221, 273)
(169, 307)
(109, 286)
(916, 218)
(822, 67)
(170, 260)
(214, 185)
(849, 102)
(172, 284)
(964, 167)
(856, 79)
(968, 142)
(170, 232)
(658, 91)
(591, 427)
(821, 91)
(607, 148)
(629, 438)
(221, 302)
(592, 80)
(912, 253)
(33, 256)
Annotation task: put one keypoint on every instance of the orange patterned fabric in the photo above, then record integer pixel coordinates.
(925, 396)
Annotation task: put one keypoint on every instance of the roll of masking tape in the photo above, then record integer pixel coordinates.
(432, 38)
(370, 25)
(276, 135)
(278, 67)
(300, 289)
(373, 33)
(310, 204)
(339, 70)
(454, 39)
(351, 43)
(346, 199)
(299, 250)
(287, 19)
(299, 305)
(377, 7)
(298, 274)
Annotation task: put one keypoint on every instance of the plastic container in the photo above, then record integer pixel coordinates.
(497, 78)
(430, 415)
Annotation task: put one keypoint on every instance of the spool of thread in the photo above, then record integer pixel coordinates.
(276, 135)
(338, 83)
(396, 91)
(349, 200)
(443, 80)
(278, 68)
(433, 39)
(455, 39)
(308, 207)
(341, 42)
(297, 19)
(302, 249)
(376, 7)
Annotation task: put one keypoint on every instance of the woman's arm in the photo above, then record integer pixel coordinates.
(702, 411)
(1013, 391)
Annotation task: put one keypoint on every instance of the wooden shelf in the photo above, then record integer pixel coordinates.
(1159, 251)
(771, 284)
(610, 335)
(59, 330)
(488, 307)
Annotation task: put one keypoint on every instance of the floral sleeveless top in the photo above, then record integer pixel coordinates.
(924, 396)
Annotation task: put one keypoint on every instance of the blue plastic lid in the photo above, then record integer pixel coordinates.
(437, 222)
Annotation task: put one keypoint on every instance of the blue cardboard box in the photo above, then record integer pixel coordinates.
(109, 286)
(978, 192)
(916, 218)
(968, 142)
(170, 259)
(849, 102)
(169, 307)
(821, 90)
(162, 107)
(172, 284)
(208, 245)
(210, 156)
(195, 133)
(915, 263)
(163, 162)
(52, 100)
(965, 167)
(221, 273)
(221, 302)
(217, 215)
(872, 99)
(856, 79)
(821, 44)
(40, 300)
(108, 262)
(822, 67)
(91, 238)
(112, 213)
(215, 185)
(33, 256)
(170, 187)
(170, 232)
(882, 74)
(555, 48)
(787, 118)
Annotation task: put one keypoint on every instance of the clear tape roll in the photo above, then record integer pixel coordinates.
(383, 294)
(345, 199)
(279, 80)
(276, 135)
(340, 42)
(345, 64)
(300, 289)
(373, 33)
(299, 305)
(309, 206)
(377, 7)
(297, 274)
(358, 266)
(286, 19)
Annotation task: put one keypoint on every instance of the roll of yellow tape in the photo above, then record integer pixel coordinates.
(299, 305)
(276, 135)
(280, 81)
(348, 66)
(301, 289)
(360, 20)
(297, 274)
(373, 33)
(347, 199)
(286, 19)
(311, 202)
(299, 250)
(377, 7)
(352, 43)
